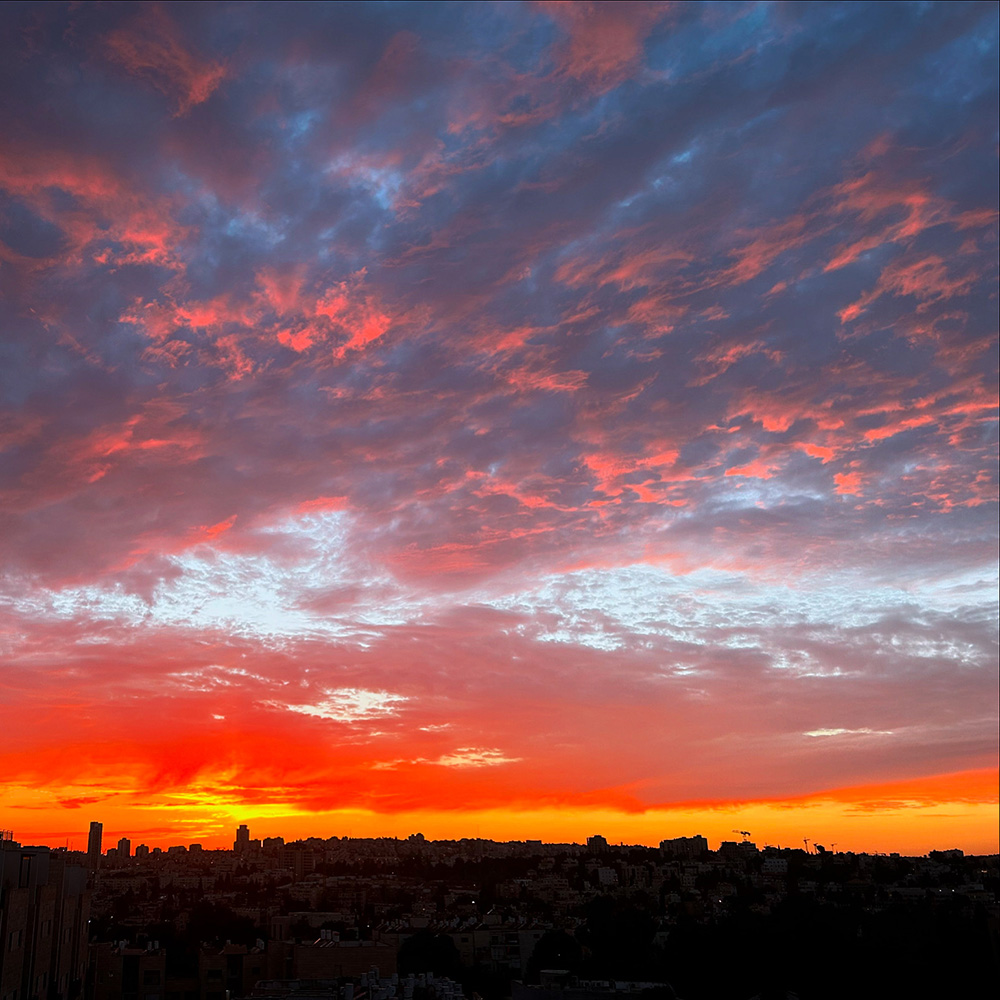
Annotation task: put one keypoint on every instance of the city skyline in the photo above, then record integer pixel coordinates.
(142, 851)
(510, 420)
(245, 842)
(335, 918)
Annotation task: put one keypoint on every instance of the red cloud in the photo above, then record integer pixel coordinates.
(150, 47)
(357, 313)
(604, 43)
(111, 221)
(757, 469)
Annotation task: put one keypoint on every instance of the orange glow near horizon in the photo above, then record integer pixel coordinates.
(910, 817)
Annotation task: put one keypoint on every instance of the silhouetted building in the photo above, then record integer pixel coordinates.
(685, 847)
(94, 850)
(774, 866)
(558, 984)
(597, 844)
(372, 983)
(327, 958)
(230, 971)
(44, 911)
(732, 850)
(242, 843)
(124, 848)
(122, 973)
(300, 860)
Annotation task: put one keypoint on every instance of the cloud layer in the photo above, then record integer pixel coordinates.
(463, 407)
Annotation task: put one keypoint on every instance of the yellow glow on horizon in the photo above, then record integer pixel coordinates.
(904, 818)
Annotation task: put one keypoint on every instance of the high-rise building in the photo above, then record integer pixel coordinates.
(242, 843)
(94, 846)
(124, 848)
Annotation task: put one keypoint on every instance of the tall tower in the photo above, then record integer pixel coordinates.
(94, 845)
(124, 848)
(242, 842)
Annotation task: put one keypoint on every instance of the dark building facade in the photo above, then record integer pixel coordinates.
(94, 847)
(44, 909)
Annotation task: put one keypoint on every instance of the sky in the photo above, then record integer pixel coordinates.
(509, 420)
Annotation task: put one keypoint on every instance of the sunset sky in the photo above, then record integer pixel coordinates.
(516, 420)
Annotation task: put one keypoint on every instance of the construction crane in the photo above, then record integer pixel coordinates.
(745, 834)
(805, 840)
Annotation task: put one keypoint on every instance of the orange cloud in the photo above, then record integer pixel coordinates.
(757, 469)
(878, 196)
(927, 279)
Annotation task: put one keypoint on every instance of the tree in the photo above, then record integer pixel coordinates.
(426, 951)
(619, 937)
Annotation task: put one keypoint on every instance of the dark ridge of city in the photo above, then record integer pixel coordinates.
(383, 918)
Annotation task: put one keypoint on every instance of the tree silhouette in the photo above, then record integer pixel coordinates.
(426, 951)
(619, 936)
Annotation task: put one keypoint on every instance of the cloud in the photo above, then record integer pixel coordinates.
(474, 757)
(568, 404)
(603, 45)
(150, 47)
(848, 732)
(347, 705)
